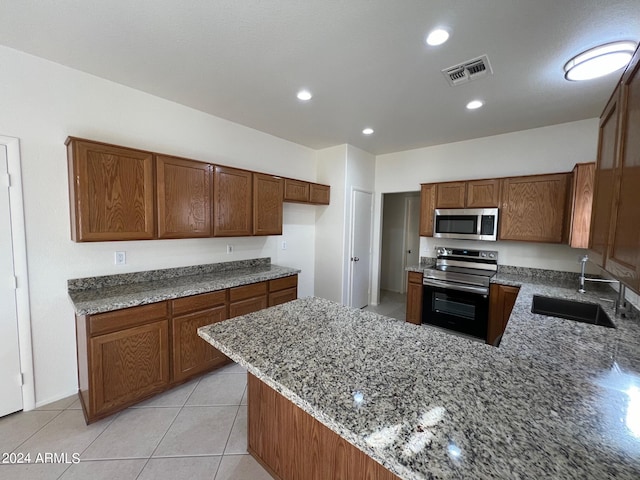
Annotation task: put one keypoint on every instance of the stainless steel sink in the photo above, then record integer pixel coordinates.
(571, 310)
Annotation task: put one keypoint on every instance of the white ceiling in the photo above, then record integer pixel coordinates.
(365, 61)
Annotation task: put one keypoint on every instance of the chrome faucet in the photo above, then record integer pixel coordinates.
(621, 304)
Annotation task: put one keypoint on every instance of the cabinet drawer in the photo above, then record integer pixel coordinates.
(283, 283)
(319, 194)
(247, 291)
(283, 296)
(198, 302)
(125, 318)
(415, 277)
(249, 305)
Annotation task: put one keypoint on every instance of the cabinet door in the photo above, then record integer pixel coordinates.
(283, 296)
(624, 250)
(427, 207)
(451, 195)
(534, 208)
(268, 192)
(232, 202)
(319, 194)
(483, 193)
(414, 298)
(605, 181)
(296, 191)
(128, 365)
(184, 198)
(191, 354)
(582, 200)
(111, 192)
(249, 305)
(502, 298)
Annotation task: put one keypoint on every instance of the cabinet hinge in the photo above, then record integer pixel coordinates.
(21, 379)
(14, 281)
(7, 180)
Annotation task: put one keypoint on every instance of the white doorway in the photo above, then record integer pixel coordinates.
(16, 362)
(360, 248)
(411, 235)
(400, 240)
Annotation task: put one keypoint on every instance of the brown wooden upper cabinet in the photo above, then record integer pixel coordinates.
(232, 202)
(451, 194)
(582, 200)
(319, 194)
(183, 197)
(605, 181)
(623, 252)
(534, 208)
(469, 194)
(427, 207)
(267, 204)
(111, 191)
(296, 191)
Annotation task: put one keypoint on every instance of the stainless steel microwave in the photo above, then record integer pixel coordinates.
(466, 223)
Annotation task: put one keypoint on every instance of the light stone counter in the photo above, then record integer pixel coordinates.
(557, 399)
(103, 294)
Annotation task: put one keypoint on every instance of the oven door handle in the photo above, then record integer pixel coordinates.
(428, 281)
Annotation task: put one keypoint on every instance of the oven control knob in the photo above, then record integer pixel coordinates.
(441, 251)
(483, 254)
(492, 255)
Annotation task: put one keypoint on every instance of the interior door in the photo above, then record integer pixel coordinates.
(361, 209)
(411, 236)
(10, 378)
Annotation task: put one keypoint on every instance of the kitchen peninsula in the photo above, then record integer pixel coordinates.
(425, 404)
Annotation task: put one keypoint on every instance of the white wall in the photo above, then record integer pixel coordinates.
(330, 225)
(551, 149)
(42, 103)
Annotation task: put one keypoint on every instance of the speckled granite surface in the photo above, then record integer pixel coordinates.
(103, 294)
(557, 399)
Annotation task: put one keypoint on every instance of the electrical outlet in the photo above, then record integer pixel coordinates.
(120, 258)
(284, 244)
(229, 249)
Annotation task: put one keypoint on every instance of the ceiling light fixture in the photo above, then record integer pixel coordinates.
(599, 61)
(474, 104)
(304, 95)
(437, 37)
(367, 131)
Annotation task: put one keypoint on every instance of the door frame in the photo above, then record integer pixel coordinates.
(19, 239)
(351, 235)
(405, 237)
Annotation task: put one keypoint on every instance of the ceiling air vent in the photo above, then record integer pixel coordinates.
(467, 71)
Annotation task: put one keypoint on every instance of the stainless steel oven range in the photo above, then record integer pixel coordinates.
(456, 290)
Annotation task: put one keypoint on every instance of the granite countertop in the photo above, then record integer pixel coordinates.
(557, 400)
(106, 293)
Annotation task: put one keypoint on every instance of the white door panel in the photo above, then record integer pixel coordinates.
(10, 378)
(361, 221)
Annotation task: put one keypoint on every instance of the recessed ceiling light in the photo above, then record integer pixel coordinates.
(437, 37)
(473, 104)
(304, 95)
(367, 131)
(599, 61)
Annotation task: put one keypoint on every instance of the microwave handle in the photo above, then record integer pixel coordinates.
(463, 288)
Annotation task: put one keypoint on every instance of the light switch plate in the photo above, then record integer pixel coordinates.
(120, 258)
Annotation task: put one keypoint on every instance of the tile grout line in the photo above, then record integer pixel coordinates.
(230, 432)
(168, 428)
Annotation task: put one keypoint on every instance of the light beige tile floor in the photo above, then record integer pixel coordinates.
(192, 432)
(391, 304)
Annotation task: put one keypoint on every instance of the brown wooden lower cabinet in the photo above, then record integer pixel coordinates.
(291, 444)
(282, 290)
(128, 355)
(121, 367)
(414, 297)
(190, 354)
(502, 298)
